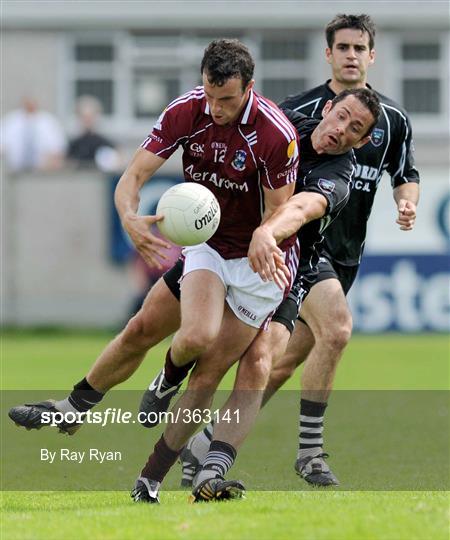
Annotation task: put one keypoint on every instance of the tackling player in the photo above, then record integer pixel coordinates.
(324, 329)
(323, 184)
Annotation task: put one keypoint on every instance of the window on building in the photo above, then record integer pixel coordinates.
(284, 48)
(283, 62)
(422, 96)
(422, 77)
(94, 73)
(94, 53)
(135, 74)
(102, 89)
(421, 51)
(152, 91)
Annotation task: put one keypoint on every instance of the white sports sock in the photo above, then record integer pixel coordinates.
(65, 406)
(200, 446)
(305, 452)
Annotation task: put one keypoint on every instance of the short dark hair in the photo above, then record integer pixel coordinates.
(357, 22)
(226, 59)
(368, 98)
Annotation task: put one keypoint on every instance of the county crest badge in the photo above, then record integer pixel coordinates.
(327, 186)
(377, 137)
(238, 162)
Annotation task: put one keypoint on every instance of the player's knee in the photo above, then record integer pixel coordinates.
(256, 366)
(338, 334)
(138, 334)
(345, 327)
(195, 342)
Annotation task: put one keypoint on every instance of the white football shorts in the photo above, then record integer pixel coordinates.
(252, 300)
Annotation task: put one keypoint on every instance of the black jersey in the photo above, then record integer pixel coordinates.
(391, 150)
(328, 175)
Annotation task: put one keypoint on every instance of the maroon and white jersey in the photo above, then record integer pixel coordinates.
(234, 161)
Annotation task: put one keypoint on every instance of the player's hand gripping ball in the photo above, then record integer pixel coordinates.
(191, 214)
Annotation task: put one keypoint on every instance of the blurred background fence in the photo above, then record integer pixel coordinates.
(64, 258)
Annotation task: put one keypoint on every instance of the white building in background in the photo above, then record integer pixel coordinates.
(135, 57)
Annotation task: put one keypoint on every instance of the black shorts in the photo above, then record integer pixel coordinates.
(172, 277)
(345, 274)
(287, 312)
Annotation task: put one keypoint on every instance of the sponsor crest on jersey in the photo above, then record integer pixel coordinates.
(196, 149)
(238, 162)
(291, 148)
(327, 186)
(377, 137)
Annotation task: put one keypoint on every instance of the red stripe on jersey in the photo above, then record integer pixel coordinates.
(278, 113)
(197, 93)
(285, 130)
(278, 119)
(291, 260)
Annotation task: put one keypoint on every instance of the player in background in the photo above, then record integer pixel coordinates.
(323, 186)
(325, 326)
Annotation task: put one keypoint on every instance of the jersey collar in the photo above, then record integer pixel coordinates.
(248, 114)
(327, 84)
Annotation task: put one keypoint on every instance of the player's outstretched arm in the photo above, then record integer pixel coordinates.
(143, 165)
(406, 196)
(263, 252)
(276, 269)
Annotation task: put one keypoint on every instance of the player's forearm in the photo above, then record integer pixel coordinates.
(126, 196)
(274, 199)
(409, 192)
(285, 222)
(294, 214)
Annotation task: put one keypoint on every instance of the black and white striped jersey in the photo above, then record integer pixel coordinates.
(391, 149)
(326, 174)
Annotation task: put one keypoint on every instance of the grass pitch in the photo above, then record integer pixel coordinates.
(54, 361)
(262, 515)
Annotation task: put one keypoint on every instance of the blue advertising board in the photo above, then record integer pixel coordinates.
(405, 293)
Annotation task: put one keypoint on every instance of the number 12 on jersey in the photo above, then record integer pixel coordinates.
(219, 155)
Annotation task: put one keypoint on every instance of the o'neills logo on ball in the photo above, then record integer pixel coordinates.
(208, 217)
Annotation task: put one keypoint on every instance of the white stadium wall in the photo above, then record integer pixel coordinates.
(56, 269)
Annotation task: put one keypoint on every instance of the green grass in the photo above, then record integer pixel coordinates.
(264, 515)
(55, 360)
(58, 360)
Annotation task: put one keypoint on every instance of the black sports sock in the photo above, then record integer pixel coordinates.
(160, 461)
(173, 374)
(311, 426)
(83, 397)
(220, 457)
(208, 430)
